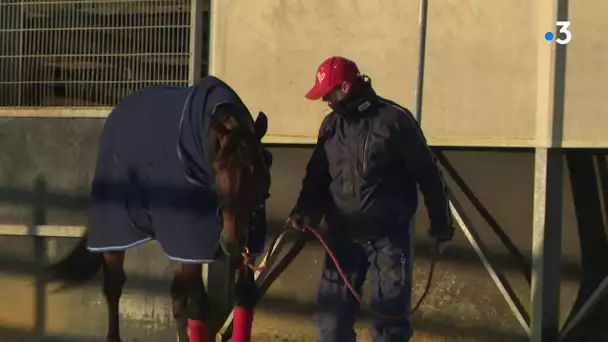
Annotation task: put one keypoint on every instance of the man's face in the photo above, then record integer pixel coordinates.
(337, 94)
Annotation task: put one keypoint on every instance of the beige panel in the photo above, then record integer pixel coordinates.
(268, 50)
(586, 103)
(480, 86)
(481, 72)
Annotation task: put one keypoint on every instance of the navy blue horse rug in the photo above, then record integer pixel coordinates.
(153, 178)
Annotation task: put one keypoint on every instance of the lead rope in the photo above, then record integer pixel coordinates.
(265, 263)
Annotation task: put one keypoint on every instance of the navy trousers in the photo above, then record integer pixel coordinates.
(387, 262)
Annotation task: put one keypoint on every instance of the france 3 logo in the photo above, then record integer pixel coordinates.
(564, 35)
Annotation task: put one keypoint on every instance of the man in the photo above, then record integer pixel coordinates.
(370, 158)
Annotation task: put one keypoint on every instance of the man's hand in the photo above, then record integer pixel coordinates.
(439, 245)
(440, 242)
(298, 222)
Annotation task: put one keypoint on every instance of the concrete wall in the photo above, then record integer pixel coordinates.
(481, 73)
(464, 303)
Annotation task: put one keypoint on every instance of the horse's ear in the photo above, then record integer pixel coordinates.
(261, 125)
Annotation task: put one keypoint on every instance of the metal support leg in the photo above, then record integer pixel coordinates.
(422, 20)
(546, 245)
(548, 179)
(595, 297)
(497, 276)
(195, 63)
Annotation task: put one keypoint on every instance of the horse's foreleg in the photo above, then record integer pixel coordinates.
(114, 279)
(179, 298)
(245, 300)
(197, 302)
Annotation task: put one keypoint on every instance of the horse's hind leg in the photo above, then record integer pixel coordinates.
(245, 300)
(189, 279)
(114, 279)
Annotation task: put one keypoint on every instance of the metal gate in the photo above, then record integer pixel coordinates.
(91, 53)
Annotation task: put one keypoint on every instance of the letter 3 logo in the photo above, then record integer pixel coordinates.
(564, 28)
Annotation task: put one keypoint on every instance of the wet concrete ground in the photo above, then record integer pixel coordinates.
(463, 306)
(294, 329)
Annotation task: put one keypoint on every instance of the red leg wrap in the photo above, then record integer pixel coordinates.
(243, 320)
(197, 331)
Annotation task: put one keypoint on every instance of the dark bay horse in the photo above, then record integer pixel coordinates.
(184, 166)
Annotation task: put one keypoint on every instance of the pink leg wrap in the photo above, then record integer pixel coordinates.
(243, 320)
(197, 331)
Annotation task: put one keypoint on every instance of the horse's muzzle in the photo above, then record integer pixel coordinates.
(233, 246)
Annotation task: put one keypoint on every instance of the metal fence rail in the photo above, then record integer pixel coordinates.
(83, 53)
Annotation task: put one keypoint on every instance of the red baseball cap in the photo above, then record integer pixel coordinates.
(330, 74)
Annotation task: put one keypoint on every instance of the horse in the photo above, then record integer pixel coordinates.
(184, 166)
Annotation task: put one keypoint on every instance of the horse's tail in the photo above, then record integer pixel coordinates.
(78, 267)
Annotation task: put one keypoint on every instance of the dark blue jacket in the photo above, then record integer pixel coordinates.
(363, 175)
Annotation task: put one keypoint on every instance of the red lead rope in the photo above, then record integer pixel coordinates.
(264, 265)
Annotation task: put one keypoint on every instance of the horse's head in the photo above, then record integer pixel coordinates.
(241, 178)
